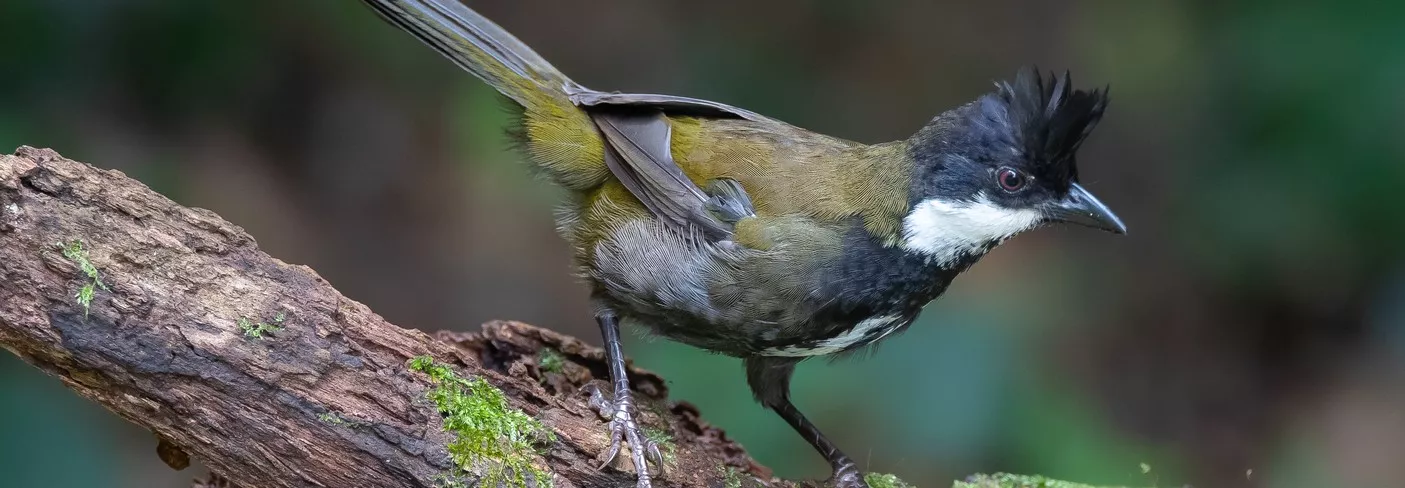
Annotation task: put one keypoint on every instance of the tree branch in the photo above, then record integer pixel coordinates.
(322, 396)
(173, 319)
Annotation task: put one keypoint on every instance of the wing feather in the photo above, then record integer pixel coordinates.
(638, 152)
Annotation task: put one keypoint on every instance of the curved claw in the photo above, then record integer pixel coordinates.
(613, 451)
(653, 455)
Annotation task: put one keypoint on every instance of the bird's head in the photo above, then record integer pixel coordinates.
(1001, 165)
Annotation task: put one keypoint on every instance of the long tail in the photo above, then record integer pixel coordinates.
(480, 47)
(560, 139)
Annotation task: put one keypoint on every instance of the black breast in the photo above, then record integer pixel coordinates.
(872, 280)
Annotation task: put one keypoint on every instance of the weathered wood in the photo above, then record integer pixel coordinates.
(324, 397)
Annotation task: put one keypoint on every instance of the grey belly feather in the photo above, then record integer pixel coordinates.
(687, 288)
(723, 297)
(655, 270)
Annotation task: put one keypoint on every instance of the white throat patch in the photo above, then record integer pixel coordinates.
(945, 230)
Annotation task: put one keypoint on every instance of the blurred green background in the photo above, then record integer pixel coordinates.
(1250, 331)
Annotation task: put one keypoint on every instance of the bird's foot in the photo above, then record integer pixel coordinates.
(624, 427)
(847, 475)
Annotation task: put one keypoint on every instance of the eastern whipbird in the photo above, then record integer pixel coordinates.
(737, 233)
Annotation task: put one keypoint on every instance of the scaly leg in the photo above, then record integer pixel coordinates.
(621, 413)
(769, 378)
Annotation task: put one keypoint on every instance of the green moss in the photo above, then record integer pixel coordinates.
(74, 252)
(880, 480)
(732, 479)
(335, 418)
(257, 331)
(550, 360)
(1005, 480)
(491, 437)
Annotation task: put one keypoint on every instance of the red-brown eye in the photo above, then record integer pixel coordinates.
(1010, 179)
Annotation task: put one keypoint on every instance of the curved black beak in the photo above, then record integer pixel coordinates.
(1082, 208)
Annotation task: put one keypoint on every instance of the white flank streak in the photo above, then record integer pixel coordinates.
(946, 230)
(887, 324)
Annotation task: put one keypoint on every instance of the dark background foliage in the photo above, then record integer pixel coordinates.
(1250, 331)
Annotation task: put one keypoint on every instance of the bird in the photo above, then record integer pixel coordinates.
(743, 235)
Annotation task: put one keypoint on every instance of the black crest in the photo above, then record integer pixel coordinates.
(1048, 120)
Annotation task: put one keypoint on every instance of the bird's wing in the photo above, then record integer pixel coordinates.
(585, 97)
(638, 152)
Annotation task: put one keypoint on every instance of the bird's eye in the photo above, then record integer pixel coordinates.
(1010, 180)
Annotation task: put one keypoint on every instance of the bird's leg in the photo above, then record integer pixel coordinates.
(846, 473)
(769, 378)
(623, 417)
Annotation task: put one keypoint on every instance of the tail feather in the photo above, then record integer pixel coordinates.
(559, 138)
(478, 46)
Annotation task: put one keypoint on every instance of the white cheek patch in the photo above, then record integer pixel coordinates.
(945, 229)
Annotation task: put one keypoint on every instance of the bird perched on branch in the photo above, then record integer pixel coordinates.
(740, 234)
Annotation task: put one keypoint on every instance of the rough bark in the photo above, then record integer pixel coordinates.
(326, 398)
